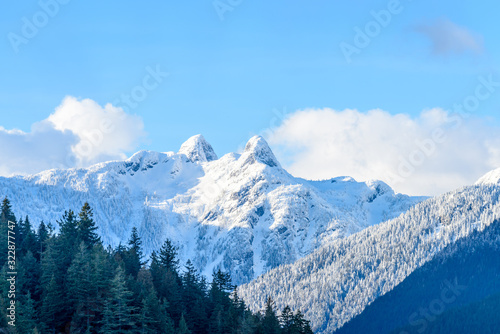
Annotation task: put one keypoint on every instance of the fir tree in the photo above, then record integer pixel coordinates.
(27, 320)
(168, 256)
(85, 289)
(42, 237)
(193, 294)
(80, 290)
(270, 322)
(6, 216)
(68, 235)
(134, 257)
(183, 328)
(52, 313)
(86, 227)
(119, 314)
(30, 241)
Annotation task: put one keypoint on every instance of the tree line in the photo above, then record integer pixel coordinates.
(69, 282)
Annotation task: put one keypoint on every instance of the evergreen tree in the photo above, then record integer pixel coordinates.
(68, 235)
(52, 312)
(287, 321)
(167, 285)
(6, 216)
(42, 237)
(119, 314)
(270, 322)
(183, 328)
(86, 227)
(28, 240)
(134, 256)
(168, 256)
(27, 320)
(29, 275)
(302, 325)
(88, 289)
(193, 295)
(80, 290)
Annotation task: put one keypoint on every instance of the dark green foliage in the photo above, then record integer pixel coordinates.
(69, 283)
(86, 227)
(168, 256)
(133, 257)
(270, 322)
(6, 216)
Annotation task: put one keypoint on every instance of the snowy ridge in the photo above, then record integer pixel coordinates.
(243, 213)
(337, 281)
(492, 177)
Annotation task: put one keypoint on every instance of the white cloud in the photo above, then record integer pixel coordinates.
(104, 133)
(426, 155)
(449, 38)
(79, 133)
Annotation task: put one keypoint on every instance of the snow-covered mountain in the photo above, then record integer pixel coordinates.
(337, 281)
(492, 177)
(242, 212)
(449, 287)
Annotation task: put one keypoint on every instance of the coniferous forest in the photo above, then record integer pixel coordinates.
(69, 282)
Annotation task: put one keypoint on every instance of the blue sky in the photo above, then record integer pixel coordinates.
(232, 73)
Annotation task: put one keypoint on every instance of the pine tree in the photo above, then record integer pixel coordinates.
(6, 216)
(183, 328)
(193, 294)
(86, 227)
(68, 235)
(302, 325)
(154, 316)
(80, 290)
(6, 213)
(52, 313)
(287, 321)
(119, 314)
(168, 256)
(42, 237)
(270, 322)
(27, 319)
(29, 275)
(134, 256)
(28, 241)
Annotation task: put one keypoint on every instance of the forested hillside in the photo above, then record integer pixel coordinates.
(462, 273)
(337, 282)
(69, 283)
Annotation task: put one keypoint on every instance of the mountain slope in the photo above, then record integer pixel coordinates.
(462, 273)
(478, 317)
(337, 281)
(242, 212)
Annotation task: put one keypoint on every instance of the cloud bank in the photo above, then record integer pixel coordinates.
(79, 133)
(426, 155)
(449, 38)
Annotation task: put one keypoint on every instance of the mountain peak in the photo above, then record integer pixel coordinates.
(197, 148)
(257, 149)
(492, 177)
